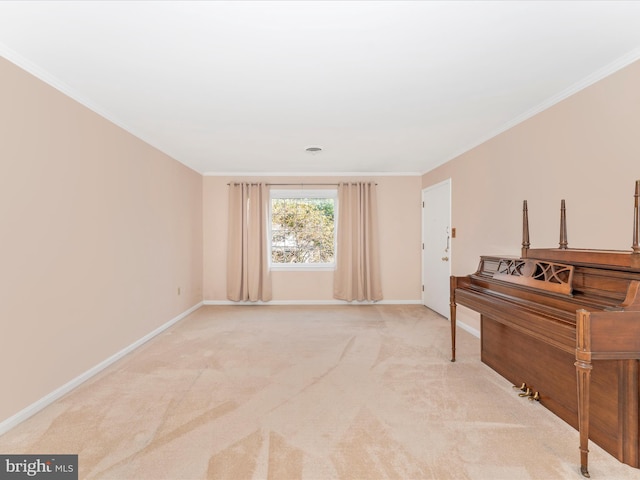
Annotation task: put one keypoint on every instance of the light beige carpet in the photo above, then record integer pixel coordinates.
(345, 392)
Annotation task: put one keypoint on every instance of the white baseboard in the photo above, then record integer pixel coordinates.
(313, 302)
(35, 407)
(469, 329)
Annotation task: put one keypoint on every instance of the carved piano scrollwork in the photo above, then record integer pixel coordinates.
(550, 276)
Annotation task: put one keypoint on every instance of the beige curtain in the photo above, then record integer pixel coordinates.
(248, 276)
(357, 275)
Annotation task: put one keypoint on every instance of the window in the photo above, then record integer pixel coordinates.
(302, 228)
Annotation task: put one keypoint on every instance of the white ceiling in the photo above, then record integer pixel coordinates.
(245, 87)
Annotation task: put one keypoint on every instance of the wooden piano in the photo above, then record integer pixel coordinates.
(565, 325)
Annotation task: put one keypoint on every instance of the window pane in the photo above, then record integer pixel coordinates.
(302, 230)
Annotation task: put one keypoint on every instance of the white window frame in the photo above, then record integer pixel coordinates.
(303, 193)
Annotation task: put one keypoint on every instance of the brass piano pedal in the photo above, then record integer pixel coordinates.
(526, 393)
(522, 387)
(535, 397)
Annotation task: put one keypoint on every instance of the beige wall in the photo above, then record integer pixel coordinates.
(399, 210)
(97, 232)
(585, 150)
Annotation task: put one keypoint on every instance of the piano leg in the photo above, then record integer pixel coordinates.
(583, 371)
(584, 374)
(452, 310)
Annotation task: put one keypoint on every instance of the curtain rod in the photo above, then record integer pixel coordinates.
(296, 184)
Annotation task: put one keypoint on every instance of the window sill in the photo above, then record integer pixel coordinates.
(302, 268)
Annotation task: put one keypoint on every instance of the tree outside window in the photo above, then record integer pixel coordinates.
(303, 227)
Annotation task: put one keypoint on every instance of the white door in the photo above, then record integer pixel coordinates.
(436, 246)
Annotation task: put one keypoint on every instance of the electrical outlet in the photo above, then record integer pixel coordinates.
(178, 290)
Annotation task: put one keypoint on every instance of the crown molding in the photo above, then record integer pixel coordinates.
(43, 75)
(54, 82)
(312, 174)
(587, 81)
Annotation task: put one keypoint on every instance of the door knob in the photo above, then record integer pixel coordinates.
(445, 259)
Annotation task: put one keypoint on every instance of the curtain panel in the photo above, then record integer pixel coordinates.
(248, 276)
(357, 274)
